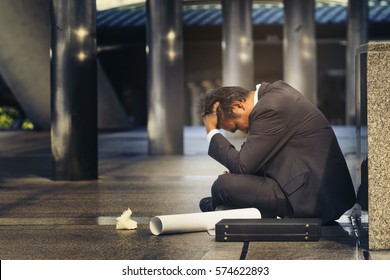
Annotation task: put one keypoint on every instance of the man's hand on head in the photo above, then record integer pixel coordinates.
(210, 119)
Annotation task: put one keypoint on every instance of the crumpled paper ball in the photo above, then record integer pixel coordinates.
(124, 221)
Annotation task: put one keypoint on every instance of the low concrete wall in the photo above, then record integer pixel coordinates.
(373, 103)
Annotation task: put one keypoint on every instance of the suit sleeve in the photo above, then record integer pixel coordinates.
(269, 131)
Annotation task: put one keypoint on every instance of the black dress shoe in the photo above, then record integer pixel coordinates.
(206, 204)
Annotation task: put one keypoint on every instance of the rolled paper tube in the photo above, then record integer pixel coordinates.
(192, 222)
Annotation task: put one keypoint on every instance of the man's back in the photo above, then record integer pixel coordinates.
(310, 166)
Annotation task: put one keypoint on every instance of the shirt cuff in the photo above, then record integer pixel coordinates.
(211, 134)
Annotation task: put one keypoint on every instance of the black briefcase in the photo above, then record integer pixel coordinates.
(297, 229)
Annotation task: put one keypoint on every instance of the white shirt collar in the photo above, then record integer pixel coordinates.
(256, 97)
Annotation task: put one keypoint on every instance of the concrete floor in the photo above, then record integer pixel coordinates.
(45, 219)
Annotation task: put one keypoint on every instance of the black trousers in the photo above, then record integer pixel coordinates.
(245, 191)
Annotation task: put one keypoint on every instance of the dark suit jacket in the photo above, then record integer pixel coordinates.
(291, 141)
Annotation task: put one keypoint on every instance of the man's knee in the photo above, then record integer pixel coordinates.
(221, 184)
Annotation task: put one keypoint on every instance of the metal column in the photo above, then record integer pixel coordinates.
(357, 35)
(74, 89)
(237, 44)
(299, 47)
(165, 77)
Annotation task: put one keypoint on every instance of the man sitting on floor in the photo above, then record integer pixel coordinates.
(291, 164)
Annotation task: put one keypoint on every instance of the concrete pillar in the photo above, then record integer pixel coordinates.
(237, 44)
(25, 65)
(357, 34)
(373, 139)
(299, 47)
(74, 89)
(165, 77)
(24, 56)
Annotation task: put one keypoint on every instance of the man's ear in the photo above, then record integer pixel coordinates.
(238, 105)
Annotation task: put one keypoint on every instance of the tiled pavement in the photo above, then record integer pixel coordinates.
(45, 219)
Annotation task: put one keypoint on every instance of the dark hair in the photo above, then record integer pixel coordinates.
(225, 96)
